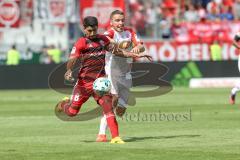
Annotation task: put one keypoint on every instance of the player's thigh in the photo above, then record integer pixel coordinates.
(117, 83)
(124, 92)
(105, 102)
(114, 88)
(80, 94)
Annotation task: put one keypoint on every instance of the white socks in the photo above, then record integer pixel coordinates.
(103, 125)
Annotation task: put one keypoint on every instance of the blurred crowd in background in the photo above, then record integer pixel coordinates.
(158, 20)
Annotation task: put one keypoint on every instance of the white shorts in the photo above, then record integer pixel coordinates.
(120, 85)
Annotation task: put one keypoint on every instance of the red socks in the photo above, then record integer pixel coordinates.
(112, 124)
(106, 103)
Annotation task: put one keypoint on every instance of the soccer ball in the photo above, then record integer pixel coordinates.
(101, 86)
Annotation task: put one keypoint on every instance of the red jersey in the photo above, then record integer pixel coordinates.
(91, 52)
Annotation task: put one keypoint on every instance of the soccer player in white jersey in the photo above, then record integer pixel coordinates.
(118, 68)
(236, 88)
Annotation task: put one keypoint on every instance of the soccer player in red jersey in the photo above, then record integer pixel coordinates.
(91, 49)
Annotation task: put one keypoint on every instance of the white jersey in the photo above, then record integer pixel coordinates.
(119, 65)
(118, 68)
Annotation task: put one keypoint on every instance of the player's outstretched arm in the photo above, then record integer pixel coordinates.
(113, 47)
(70, 64)
(124, 53)
(144, 54)
(138, 49)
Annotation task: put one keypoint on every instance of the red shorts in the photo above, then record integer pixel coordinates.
(83, 90)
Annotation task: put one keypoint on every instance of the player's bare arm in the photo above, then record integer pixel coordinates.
(138, 48)
(114, 48)
(70, 64)
(125, 44)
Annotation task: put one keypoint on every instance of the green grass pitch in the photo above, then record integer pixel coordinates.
(199, 124)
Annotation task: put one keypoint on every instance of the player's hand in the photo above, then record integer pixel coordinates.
(143, 54)
(135, 50)
(68, 76)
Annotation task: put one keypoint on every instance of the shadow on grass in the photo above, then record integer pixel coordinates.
(135, 139)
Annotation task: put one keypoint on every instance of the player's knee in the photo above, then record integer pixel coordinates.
(120, 111)
(106, 103)
(115, 97)
(106, 99)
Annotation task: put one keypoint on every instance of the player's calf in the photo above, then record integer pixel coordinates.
(72, 110)
(232, 99)
(60, 106)
(66, 107)
(114, 100)
(120, 111)
(106, 103)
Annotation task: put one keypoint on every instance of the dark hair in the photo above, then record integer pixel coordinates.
(116, 12)
(13, 46)
(90, 21)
